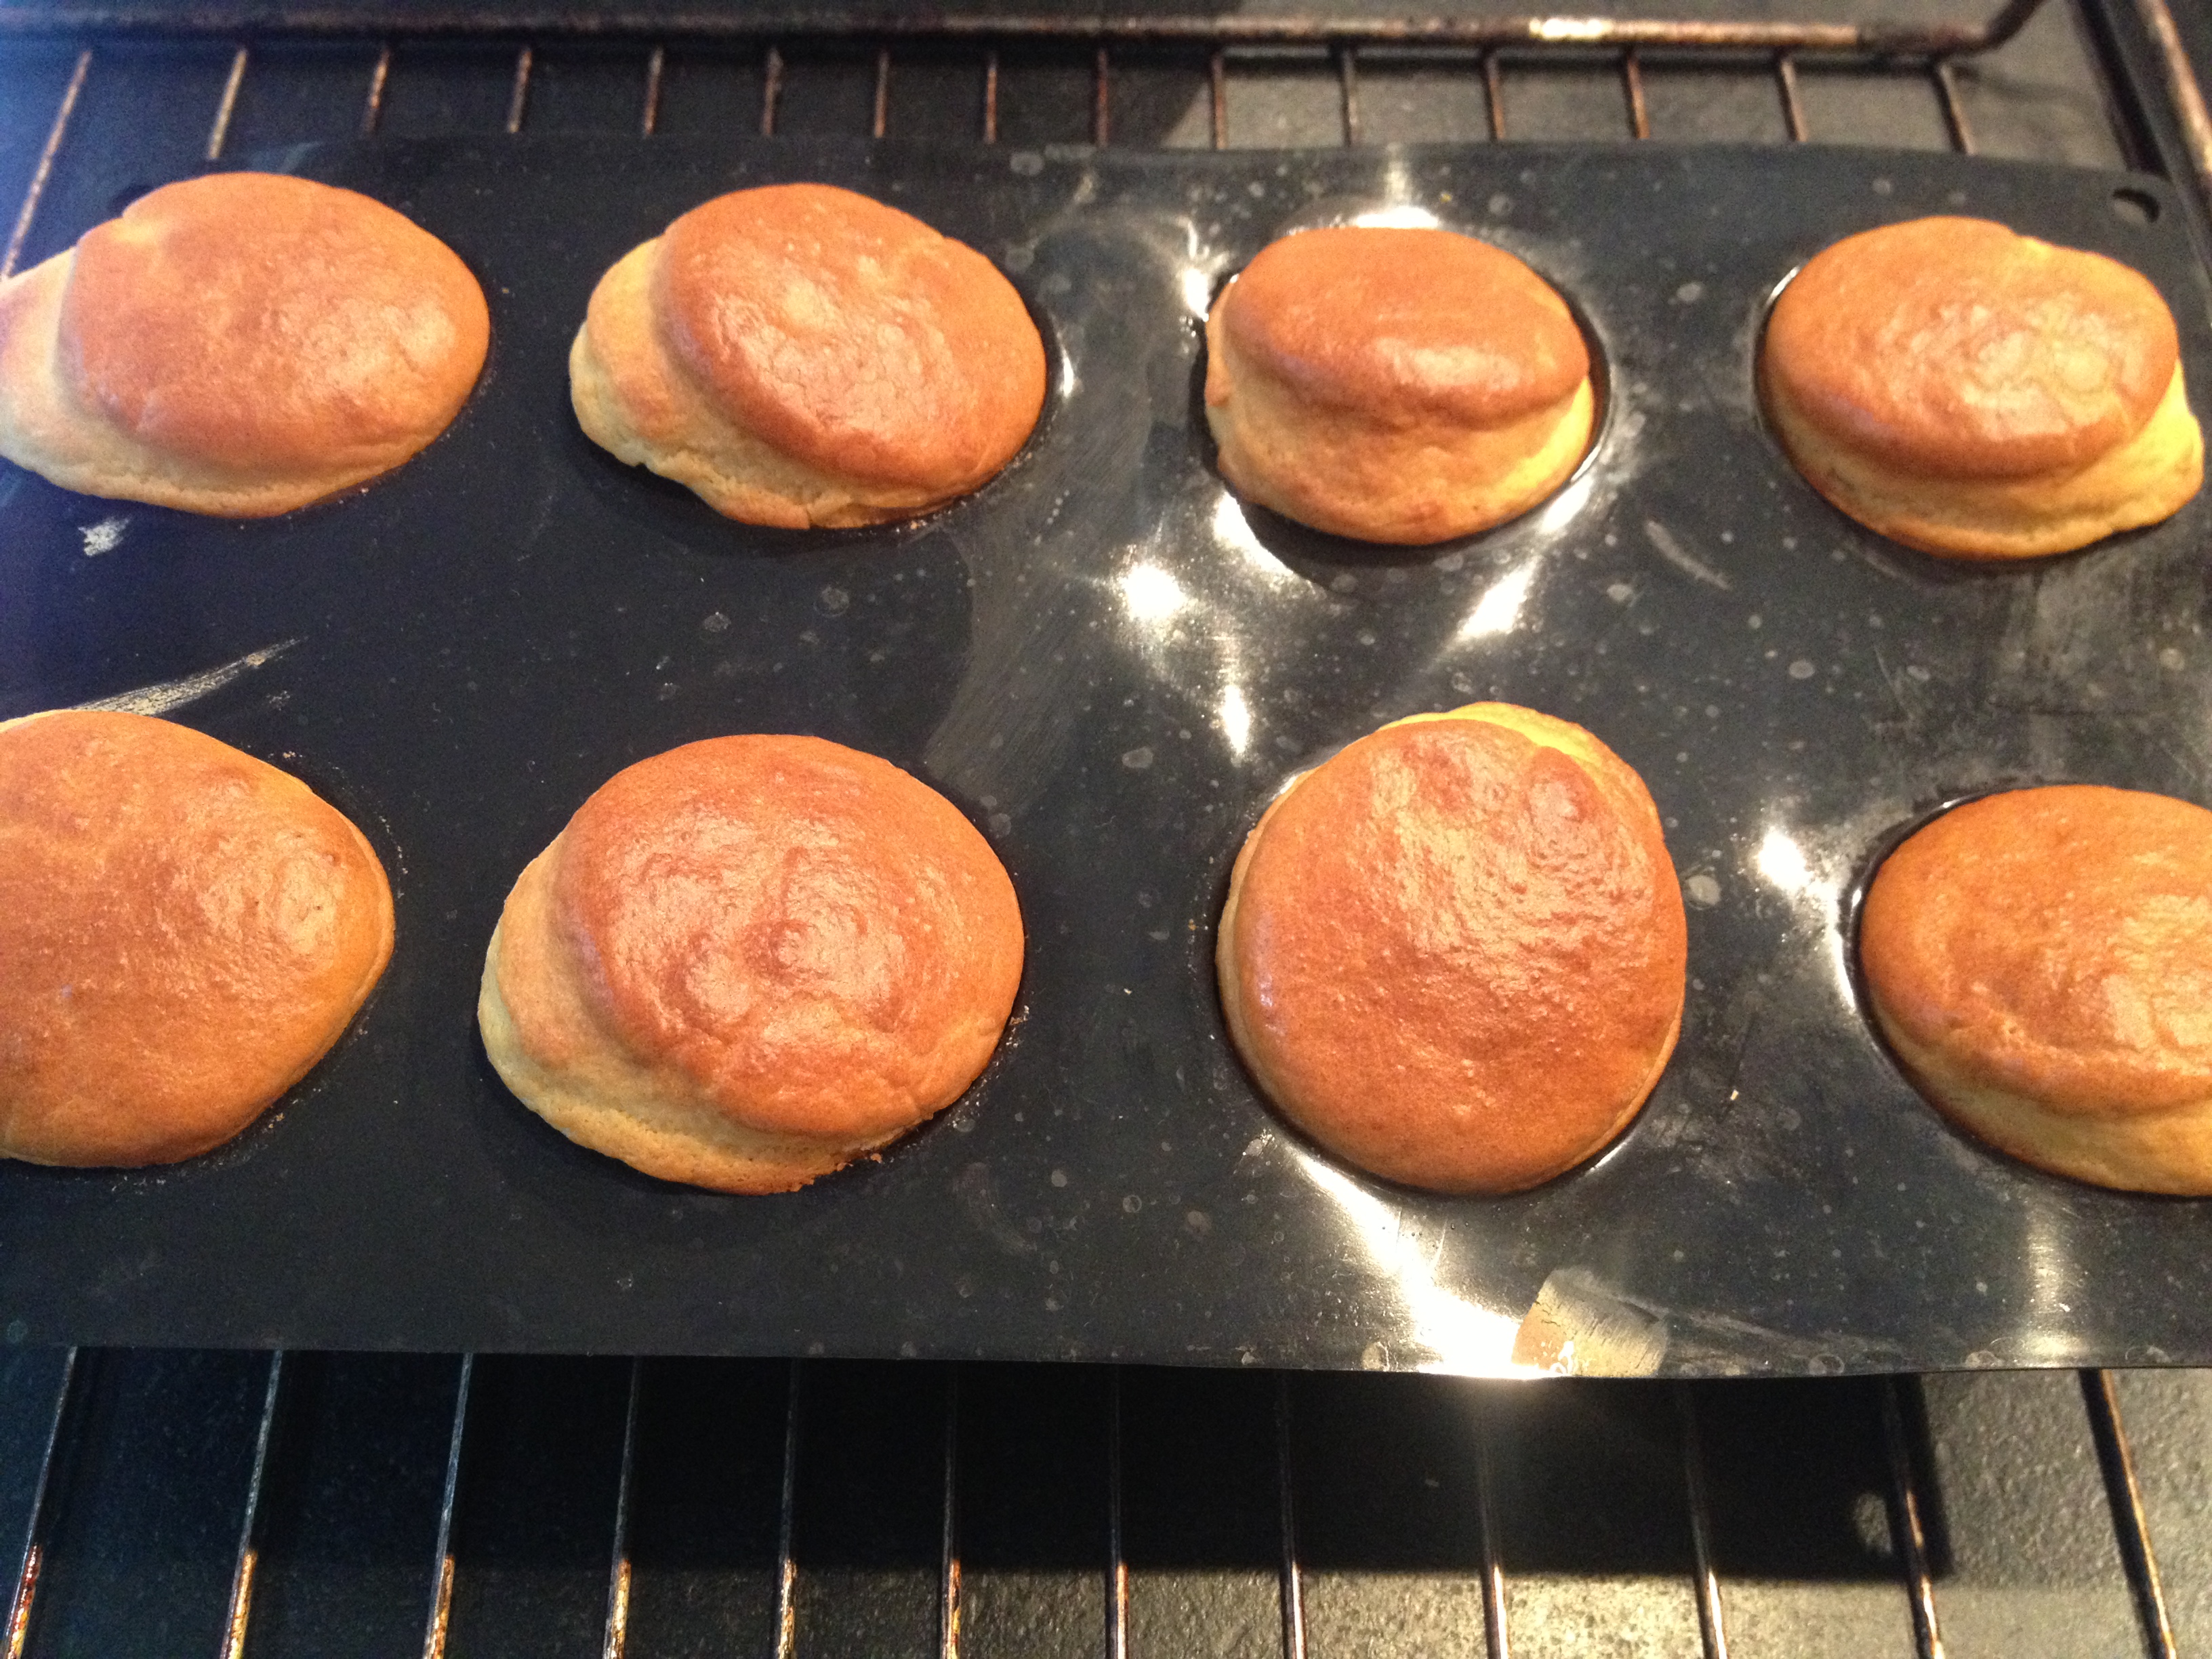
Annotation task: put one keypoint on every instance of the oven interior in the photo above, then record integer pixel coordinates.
(177, 1502)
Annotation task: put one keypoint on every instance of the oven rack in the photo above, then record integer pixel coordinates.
(279, 1504)
(274, 1503)
(2138, 49)
(1931, 48)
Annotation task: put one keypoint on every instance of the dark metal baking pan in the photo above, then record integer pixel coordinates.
(1111, 667)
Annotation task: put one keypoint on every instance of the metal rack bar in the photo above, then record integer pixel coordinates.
(1493, 90)
(616, 1636)
(380, 76)
(1101, 94)
(787, 1565)
(517, 103)
(2181, 87)
(771, 89)
(948, 1576)
(45, 169)
(656, 66)
(1217, 96)
(1632, 82)
(441, 1591)
(880, 117)
(1293, 1580)
(1117, 1564)
(224, 110)
(1712, 1620)
(2124, 1496)
(1905, 1524)
(34, 1557)
(1347, 82)
(1495, 1644)
(991, 97)
(1955, 112)
(240, 1606)
(1884, 38)
(1793, 106)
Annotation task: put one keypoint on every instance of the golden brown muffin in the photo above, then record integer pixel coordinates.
(748, 961)
(1395, 384)
(1978, 394)
(2041, 964)
(1453, 954)
(800, 355)
(185, 932)
(239, 344)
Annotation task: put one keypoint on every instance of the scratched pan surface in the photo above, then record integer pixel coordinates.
(1111, 667)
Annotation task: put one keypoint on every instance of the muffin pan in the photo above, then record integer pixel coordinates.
(1112, 665)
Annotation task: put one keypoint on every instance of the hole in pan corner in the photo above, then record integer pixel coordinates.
(2132, 206)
